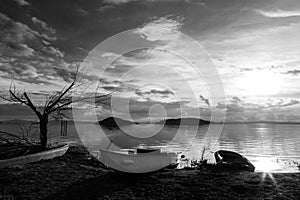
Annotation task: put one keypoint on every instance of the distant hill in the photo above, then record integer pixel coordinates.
(183, 121)
(114, 122)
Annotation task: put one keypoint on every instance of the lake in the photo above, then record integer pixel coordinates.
(271, 147)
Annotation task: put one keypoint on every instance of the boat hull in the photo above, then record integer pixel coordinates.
(44, 155)
(137, 163)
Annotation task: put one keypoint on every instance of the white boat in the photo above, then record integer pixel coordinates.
(35, 157)
(138, 160)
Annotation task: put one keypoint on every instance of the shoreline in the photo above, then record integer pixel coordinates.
(13, 121)
(78, 175)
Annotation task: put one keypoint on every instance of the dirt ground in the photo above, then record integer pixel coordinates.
(77, 175)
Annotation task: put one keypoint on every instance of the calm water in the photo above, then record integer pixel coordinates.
(271, 147)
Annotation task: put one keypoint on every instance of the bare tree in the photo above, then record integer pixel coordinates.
(55, 105)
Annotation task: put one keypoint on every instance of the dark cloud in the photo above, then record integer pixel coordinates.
(117, 86)
(293, 72)
(109, 88)
(237, 99)
(153, 91)
(206, 101)
(282, 103)
(245, 69)
(291, 103)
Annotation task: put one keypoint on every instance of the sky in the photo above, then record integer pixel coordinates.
(164, 58)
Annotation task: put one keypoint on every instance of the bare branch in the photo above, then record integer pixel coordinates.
(30, 104)
(57, 98)
(15, 98)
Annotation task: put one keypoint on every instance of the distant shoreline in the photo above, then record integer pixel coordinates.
(14, 121)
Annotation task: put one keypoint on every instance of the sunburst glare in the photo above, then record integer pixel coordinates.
(267, 166)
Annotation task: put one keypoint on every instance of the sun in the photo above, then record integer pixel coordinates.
(260, 83)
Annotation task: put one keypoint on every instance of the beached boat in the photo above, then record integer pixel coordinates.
(138, 160)
(233, 161)
(35, 157)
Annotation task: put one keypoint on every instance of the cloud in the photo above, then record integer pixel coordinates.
(279, 13)
(54, 51)
(110, 55)
(43, 25)
(19, 70)
(16, 38)
(237, 99)
(28, 55)
(293, 72)
(26, 70)
(272, 109)
(206, 101)
(231, 108)
(105, 7)
(161, 29)
(154, 93)
(15, 30)
(109, 88)
(278, 103)
(22, 2)
(150, 64)
(139, 109)
(197, 2)
(248, 69)
(117, 2)
(291, 103)
(16, 49)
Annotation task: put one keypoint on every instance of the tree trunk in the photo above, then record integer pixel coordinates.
(43, 131)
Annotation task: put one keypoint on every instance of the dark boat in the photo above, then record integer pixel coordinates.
(230, 160)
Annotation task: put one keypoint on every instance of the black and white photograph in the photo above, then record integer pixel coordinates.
(149, 99)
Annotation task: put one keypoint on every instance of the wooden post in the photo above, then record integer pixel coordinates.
(63, 128)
